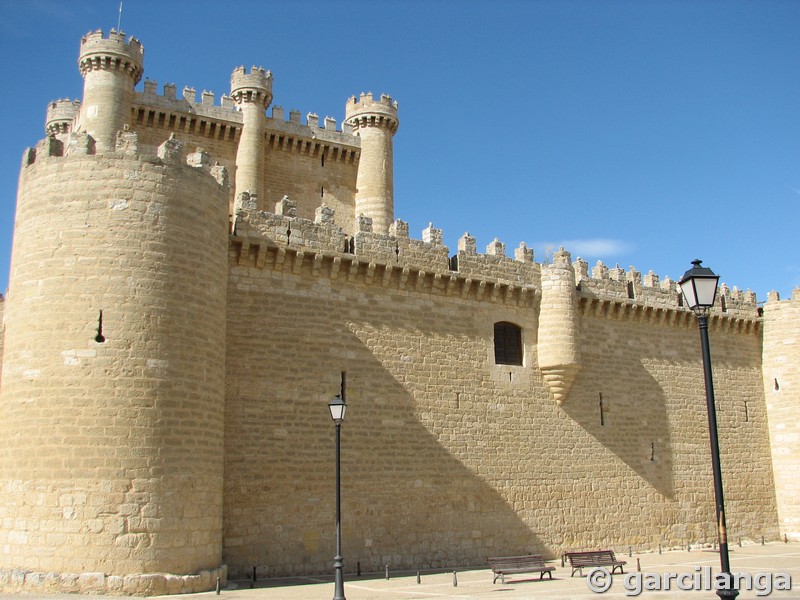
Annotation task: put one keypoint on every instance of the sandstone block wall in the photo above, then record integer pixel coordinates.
(293, 150)
(113, 373)
(781, 377)
(449, 458)
(166, 371)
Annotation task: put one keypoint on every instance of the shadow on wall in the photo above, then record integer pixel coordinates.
(627, 415)
(407, 501)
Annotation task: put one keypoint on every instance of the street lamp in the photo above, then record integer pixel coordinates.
(338, 407)
(699, 288)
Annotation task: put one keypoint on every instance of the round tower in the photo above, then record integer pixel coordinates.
(252, 93)
(558, 326)
(112, 389)
(110, 67)
(375, 122)
(781, 374)
(60, 118)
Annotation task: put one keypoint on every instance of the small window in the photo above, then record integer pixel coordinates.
(507, 344)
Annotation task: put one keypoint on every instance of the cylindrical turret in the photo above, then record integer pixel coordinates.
(558, 326)
(252, 93)
(113, 374)
(781, 373)
(110, 67)
(375, 122)
(60, 118)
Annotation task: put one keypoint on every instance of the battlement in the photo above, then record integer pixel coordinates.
(255, 86)
(365, 111)
(127, 144)
(60, 115)
(774, 296)
(111, 53)
(291, 133)
(270, 234)
(617, 285)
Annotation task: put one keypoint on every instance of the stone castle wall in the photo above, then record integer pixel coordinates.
(112, 465)
(781, 380)
(310, 160)
(2, 333)
(171, 344)
(447, 456)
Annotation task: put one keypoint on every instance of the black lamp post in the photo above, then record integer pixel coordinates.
(338, 407)
(699, 287)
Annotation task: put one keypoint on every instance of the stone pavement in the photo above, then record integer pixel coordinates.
(477, 583)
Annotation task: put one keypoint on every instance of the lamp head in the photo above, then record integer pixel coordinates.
(699, 288)
(337, 407)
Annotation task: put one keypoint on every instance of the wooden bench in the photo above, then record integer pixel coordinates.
(531, 563)
(596, 558)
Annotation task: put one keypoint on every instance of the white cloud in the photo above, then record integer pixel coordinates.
(590, 248)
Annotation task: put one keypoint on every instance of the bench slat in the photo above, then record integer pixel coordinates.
(597, 558)
(530, 563)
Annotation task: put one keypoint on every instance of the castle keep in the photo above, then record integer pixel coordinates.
(193, 280)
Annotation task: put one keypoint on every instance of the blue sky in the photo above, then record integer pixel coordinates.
(633, 132)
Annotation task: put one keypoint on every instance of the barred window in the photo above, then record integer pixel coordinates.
(507, 344)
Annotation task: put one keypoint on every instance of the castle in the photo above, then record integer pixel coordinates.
(191, 282)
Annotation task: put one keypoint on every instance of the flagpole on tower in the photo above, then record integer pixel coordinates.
(119, 20)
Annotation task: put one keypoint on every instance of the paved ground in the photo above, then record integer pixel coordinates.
(754, 559)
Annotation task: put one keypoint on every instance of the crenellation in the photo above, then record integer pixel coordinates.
(600, 271)
(669, 284)
(467, 244)
(633, 276)
(286, 207)
(324, 215)
(523, 254)
(496, 248)
(494, 265)
(171, 150)
(187, 103)
(220, 174)
(363, 224)
(399, 229)
(617, 274)
(294, 128)
(79, 143)
(199, 159)
(581, 268)
(127, 142)
(651, 280)
(49, 146)
(432, 235)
